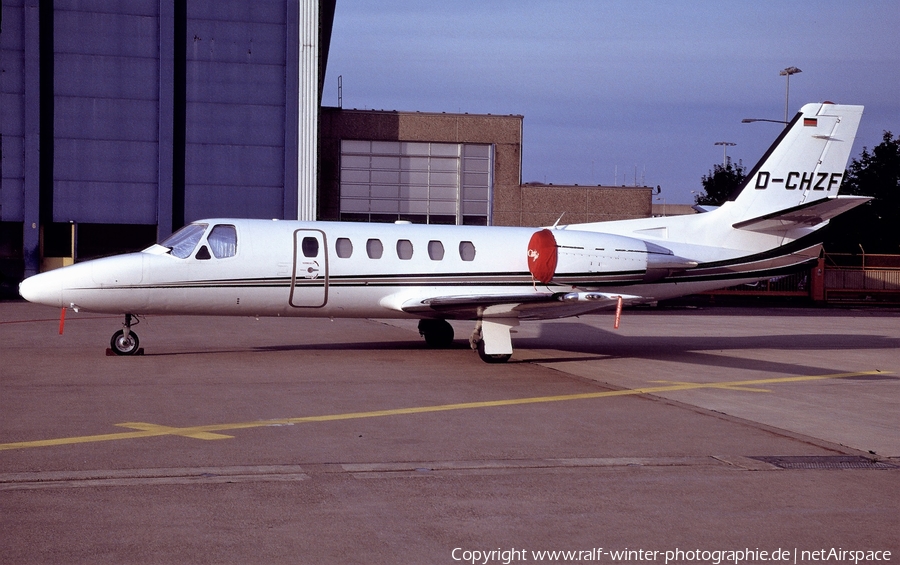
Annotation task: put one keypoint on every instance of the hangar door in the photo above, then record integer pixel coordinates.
(434, 183)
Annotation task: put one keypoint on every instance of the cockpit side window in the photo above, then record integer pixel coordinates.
(183, 242)
(223, 241)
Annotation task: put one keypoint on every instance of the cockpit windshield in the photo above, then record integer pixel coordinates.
(183, 242)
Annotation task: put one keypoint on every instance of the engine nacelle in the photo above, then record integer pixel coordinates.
(581, 258)
(542, 256)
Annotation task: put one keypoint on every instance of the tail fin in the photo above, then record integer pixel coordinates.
(805, 164)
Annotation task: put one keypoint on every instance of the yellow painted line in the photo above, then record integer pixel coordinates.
(208, 432)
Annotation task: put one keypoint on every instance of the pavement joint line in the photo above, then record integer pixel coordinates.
(208, 432)
(549, 463)
(39, 480)
(152, 476)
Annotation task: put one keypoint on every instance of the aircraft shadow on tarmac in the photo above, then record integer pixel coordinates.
(409, 345)
(598, 344)
(595, 344)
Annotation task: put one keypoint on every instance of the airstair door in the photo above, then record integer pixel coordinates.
(309, 281)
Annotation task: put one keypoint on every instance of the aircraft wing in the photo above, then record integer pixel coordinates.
(805, 215)
(532, 306)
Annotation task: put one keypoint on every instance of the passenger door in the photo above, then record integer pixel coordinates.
(309, 281)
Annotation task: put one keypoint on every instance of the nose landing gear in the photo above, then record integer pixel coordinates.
(125, 341)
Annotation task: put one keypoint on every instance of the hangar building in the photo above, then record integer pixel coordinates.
(122, 121)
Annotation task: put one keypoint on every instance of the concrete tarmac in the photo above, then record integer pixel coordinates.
(692, 431)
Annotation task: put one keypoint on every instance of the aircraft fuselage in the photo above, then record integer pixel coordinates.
(284, 268)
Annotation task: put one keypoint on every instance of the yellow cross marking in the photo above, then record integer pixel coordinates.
(166, 430)
(209, 432)
(726, 386)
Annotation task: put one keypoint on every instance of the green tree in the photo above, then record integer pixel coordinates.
(874, 226)
(720, 183)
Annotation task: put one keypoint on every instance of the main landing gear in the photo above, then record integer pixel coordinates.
(125, 341)
(437, 333)
(490, 338)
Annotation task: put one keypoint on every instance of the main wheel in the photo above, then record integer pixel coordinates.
(122, 345)
(491, 358)
(437, 333)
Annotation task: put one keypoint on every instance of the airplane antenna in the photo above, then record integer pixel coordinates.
(556, 223)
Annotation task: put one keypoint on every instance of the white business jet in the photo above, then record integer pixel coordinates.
(494, 276)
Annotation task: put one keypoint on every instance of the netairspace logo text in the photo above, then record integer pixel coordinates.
(714, 557)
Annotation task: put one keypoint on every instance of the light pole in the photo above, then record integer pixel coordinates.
(787, 89)
(725, 145)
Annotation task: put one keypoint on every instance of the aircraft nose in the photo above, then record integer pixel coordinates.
(45, 288)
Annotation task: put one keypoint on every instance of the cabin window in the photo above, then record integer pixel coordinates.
(435, 250)
(223, 241)
(182, 243)
(343, 247)
(374, 248)
(404, 249)
(310, 247)
(466, 250)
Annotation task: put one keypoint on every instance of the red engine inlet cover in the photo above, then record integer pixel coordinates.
(542, 256)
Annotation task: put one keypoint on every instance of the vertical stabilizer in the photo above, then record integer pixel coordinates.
(804, 165)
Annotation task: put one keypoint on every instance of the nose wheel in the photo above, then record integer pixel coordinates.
(125, 341)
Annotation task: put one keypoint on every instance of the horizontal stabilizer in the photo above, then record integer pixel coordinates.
(806, 215)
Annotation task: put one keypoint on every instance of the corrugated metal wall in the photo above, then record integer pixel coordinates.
(105, 123)
(12, 111)
(153, 112)
(235, 109)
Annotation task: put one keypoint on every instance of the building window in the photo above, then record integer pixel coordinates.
(434, 183)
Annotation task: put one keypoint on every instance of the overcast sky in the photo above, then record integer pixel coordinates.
(643, 87)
